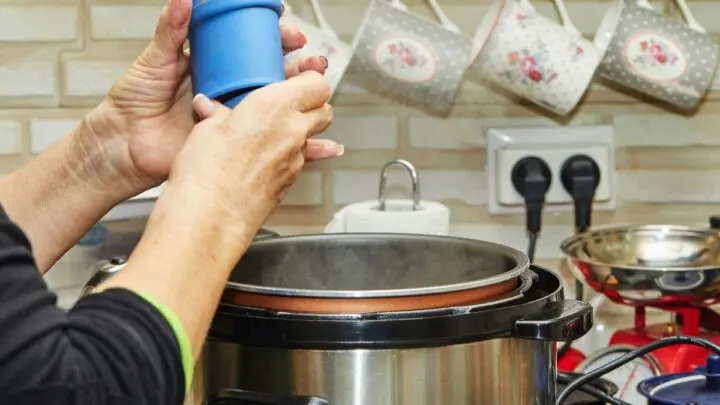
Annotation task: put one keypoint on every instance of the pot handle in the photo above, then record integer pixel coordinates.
(242, 397)
(562, 321)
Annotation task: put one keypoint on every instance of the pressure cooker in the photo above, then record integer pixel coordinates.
(104, 269)
(386, 319)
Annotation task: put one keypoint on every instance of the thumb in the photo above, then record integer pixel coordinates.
(171, 32)
(206, 108)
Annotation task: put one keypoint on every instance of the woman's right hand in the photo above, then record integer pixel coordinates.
(246, 158)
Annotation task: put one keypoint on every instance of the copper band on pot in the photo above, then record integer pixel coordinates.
(318, 305)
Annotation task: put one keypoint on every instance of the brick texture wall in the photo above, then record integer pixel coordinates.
(59, 57)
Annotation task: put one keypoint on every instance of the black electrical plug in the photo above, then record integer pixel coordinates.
(580, 176)
(532, 178)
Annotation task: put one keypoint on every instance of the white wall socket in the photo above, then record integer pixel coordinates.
(506, 146)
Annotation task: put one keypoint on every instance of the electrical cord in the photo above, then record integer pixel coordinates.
(619, 362)
(591, 390)
(580, 176)
(532, 245)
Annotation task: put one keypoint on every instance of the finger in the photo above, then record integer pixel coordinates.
(316, 63)
(306, 91)
(292, 39)
(171, 33)
(319, 120)
(206, 108)
(322, 149)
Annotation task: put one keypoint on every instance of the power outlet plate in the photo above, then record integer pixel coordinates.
(506, 146)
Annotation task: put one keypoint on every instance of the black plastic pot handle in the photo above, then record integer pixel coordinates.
(559, 321)
(241, 397)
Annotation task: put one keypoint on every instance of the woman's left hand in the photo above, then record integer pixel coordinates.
(148, 113)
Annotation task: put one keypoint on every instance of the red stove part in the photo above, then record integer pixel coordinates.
(570, 360)
(672, 359)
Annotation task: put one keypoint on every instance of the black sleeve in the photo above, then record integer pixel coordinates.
(111, 348)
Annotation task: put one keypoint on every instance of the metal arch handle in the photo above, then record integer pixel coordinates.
(413, 176)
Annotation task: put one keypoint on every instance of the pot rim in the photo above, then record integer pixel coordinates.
(522, 263)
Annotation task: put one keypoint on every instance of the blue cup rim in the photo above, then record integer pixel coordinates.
(211, 8)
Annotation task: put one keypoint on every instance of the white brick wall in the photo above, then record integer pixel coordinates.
(27, 78)
(307, 190)
(45, 132)
(365, 132)
(38, 23)
(10, 138)
(91, 78)
(458, 185)
(666, 130)
(124, 21)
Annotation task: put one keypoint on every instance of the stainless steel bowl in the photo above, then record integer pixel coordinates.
(648, 264)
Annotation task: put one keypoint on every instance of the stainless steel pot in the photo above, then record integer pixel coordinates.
(497, 351)
(648, 264)
(119, 248)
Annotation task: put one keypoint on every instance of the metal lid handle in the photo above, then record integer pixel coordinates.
(413, 176)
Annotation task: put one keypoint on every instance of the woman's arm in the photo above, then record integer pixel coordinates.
(63, 192)
(111, 348)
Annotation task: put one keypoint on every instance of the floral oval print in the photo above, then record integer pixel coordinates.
(406, 59)
(655, 57)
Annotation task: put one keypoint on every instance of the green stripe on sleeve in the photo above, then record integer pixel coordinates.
(180, 334)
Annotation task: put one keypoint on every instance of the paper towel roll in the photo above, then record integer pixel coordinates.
(431, 219)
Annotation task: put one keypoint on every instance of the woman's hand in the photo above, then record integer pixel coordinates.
(233, 170)
(147, 116)
(249, 156)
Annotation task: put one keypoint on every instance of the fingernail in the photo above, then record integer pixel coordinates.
(330, 146)
(203, 106)
(325, 61)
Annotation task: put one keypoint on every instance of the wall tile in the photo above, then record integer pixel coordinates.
(124, 21)
(515, 237)
(365, 132)
(307, 190)
(10, 141)
(666, 130)
(27, 78)
(706, 12)
(673, 186)
(668, 158)
(463, 133)
(91, 78)
(465, 186)
(46, 23)
(44, 133)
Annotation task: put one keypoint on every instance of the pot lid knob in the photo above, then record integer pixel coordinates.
(712, 373)
(699, 387)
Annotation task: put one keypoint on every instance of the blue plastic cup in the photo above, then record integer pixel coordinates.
(235, 47)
